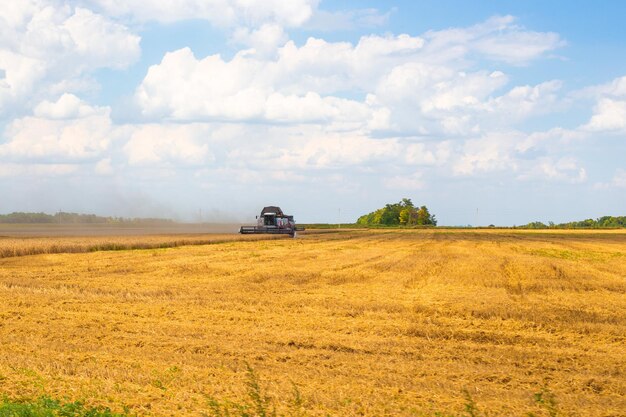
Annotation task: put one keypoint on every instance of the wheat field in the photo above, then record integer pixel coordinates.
(11, 246)
(391, 322)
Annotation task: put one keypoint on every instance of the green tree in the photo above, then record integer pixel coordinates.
(402, 213)
(424, 218)
(405, 216)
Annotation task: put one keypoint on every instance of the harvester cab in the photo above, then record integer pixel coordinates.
(272, 221)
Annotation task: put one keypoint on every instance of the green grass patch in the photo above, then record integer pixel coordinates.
(47, 407)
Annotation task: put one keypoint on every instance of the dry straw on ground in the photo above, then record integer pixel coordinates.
(363, 323)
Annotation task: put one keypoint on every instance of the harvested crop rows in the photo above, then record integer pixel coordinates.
(361, 322)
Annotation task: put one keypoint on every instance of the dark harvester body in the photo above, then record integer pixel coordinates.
(272, 221)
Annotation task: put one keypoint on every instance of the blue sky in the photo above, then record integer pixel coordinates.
(500, 112)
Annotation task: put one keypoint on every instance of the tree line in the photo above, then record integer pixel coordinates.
(604, 222)
(72, 218)
(403, 213)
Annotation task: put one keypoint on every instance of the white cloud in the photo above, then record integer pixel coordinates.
(415, 84)
(418, 154)
(99, 42)
(615, 89)
(311, 148)
(184, 88)
(523, 101)
(565, 169)
(609, 112)
(223, 13)
(307, 148)
(436, 100)
(68, 106)
(21, 73)
(45, 43)
(174, 145)
(348, 19)
(15, 13)
(608, 115)
(412, 86)
(386, 106)
(507, 152)
(338, 150)
(263, 41)
(492, 152)
(406, 182)
(74, 131)
(498, 39)
(555, 138)
(618, 180)
(335, 67)
(239, 89)
(313, 108)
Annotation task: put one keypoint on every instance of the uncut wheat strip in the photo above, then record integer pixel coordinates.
(17, 247)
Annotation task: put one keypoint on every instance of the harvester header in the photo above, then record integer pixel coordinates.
(273, 221)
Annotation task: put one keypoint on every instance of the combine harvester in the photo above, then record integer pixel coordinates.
(273, 221)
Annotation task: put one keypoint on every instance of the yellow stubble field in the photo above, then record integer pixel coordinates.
(391, 322)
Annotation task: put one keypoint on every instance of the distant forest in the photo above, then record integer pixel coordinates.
(403, 213)
(604, 222)
(73, 218)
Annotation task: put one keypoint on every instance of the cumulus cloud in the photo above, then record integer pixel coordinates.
(554, 138)
(162, 145)
(47, 43)
(61, 131)
(614, 89)
(20, 75)
(420, 154)
(393, 106)
(524, 156)
(264, 41)
(313, 108)
(182, 87)
(310, 147)
(523, 101)
(563, 169)
(338, 104)
(493, 152)
(68, 106)
(99, 42)
(313, 149)
(608, 115)
(436, 100)
(397, 74)
(609, 112)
